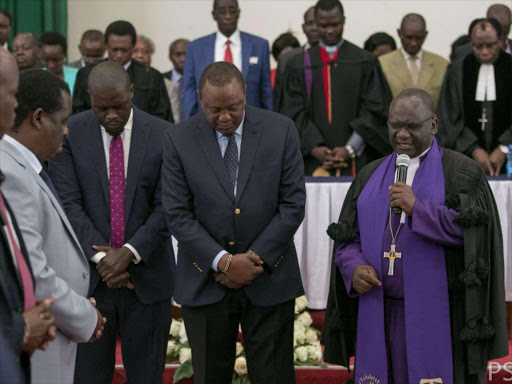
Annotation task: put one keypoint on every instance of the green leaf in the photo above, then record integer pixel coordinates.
(184, 371)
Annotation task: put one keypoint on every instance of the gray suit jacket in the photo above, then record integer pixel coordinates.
(60, 268)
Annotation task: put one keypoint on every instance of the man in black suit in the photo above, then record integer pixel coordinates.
(108, 179)
(25, 324)
(149, 92)
(233, 192)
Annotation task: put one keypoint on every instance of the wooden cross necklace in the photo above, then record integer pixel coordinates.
(393, 254)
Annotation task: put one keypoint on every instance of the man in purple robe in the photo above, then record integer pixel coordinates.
(420, 292)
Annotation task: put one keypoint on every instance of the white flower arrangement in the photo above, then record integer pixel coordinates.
(307, 347)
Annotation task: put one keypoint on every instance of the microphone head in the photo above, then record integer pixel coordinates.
(403, 160)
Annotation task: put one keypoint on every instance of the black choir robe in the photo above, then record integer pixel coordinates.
(459, 112)
(360, 102)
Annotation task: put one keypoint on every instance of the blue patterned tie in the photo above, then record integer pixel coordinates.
(231, 159)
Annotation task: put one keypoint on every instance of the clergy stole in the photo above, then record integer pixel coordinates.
(498, 113)
(426, 303)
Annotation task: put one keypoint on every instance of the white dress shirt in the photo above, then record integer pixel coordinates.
(408, 58)
(236, 48)
(126, 136)
(175, 76)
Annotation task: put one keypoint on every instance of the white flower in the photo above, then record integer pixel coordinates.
(185, 355)
(239, 348)
(241, 366)
(305, 319)
(299, 333)
(315, 352)
(311, 336)
(171, 345)
(175, 328)
(302, 353)
(301, 303)
(183, 334)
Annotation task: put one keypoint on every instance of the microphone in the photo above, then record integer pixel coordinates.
(402, 164)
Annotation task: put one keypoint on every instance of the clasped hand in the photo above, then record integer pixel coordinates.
(112, 267)
(331, 158)
(40, 324)
(364, 279)
(244, 268)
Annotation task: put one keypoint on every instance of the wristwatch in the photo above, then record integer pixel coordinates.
(350, 150)
(505, 149)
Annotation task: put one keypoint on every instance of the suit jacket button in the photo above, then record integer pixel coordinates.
(85, 275)
(231, 243)
(237, 211)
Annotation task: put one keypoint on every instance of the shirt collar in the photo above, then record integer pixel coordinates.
(407, 57)
(238, 131)
(175, 76)
(27, 153)
(127, 127)
(127, 65)
(331, 48)
(234, 38)
(418, 159)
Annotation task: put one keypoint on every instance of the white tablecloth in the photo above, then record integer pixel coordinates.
(323, 205)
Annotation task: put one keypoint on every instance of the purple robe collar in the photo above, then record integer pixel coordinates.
(427, 315)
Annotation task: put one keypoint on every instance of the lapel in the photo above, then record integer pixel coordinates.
(400, 69)
(9, 263)
(246, 52)
(138, 144)
(427, 71)
(250, 139)
(209, 51)
(207, 138)
(96, 153)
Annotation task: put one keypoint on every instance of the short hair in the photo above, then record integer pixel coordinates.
(148, 42)
(220, 74)
(54, 38)
(484, 23)
(312, 8)
(413, 18)
(33, 38)
(173, 45)
(283, 41)
(121, 28)
(328, 5)
(415, 93)
(499, 8)
(6, 13)
(378, 39)
(38, 89)
(92, 35)
(215, 3)
(108, 74)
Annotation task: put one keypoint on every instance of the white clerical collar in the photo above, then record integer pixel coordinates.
(25, 152)
(127, 65)
(407, 57)
(307, 46)
(234, 38)
(331, 49)
(127, 127)
(486, 85)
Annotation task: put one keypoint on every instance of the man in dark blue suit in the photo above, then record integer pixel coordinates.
(249, 53)
(25, 324)
(233, 192)
(108, 178)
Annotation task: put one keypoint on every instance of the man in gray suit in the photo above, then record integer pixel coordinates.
(92, 48)
(60, 268)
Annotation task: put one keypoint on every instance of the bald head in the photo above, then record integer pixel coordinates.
(8, 88)
(108, 74)
(412, 33)
(501, 13)
(416, 96)
(413, 18)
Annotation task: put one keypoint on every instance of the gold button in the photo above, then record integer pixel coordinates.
(231, 243)
(237, 211)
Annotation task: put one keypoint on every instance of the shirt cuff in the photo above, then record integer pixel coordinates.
(217, 259)
(97, 257)
(135, 253)
(356, 142)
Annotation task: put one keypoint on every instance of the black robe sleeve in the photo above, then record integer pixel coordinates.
(452, 132)
(159, 104)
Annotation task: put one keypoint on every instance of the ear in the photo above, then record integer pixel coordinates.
(435, 125)
(37, 118)
(426, 34)
(131, 90)
(214, 15)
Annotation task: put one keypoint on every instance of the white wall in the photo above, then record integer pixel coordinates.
(166, 20)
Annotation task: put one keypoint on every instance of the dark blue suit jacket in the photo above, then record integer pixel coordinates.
(205, 216)
(80, 177)
(14, 365)
(201, 53)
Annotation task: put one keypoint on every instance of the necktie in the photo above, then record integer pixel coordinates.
(228, 56)
(117, 192)
(50, 185)
(180, 95)
(29, 298)
(415, 73)
(231, 159)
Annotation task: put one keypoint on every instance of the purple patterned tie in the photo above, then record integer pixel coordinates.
(117, 192)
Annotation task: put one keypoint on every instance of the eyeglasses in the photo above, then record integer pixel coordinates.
(409, 127)
(490, 45)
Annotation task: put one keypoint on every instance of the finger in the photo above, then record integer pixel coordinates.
(101, 248)
(104, 320)
(92, 300)
(362, 286)
(47, 303)
(369, 278)
(130, 285)
(44, 346)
